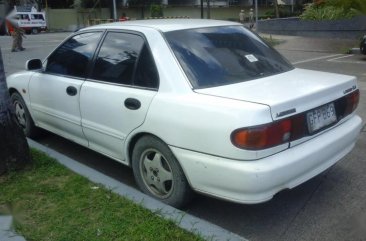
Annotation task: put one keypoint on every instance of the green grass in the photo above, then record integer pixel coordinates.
(271, 41)
(49, 202)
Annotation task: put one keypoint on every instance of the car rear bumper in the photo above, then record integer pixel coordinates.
(257, 181)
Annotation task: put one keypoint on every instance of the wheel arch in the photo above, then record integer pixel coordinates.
(132, 142)
(12, 90)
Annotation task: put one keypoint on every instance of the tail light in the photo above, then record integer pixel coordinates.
(269, 135)
(286, 130)
(352, 100)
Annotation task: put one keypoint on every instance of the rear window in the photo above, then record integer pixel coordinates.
(224, 55)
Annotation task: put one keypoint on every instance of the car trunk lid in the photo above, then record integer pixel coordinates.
(289, 93)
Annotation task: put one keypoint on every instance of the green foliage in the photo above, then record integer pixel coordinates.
(142, 3)
(156, 11)
(358, 6)
(313, 12)
(284, 11)
(334, 9)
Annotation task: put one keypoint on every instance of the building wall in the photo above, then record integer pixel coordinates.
(346, 28)
(71, 19)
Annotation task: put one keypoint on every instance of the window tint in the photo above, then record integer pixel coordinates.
(224, 55)
(117, 57)
(73, 56)
(146, 72)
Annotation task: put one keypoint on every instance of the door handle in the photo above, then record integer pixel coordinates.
(132, 104)
(71, 90)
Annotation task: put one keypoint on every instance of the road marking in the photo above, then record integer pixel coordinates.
(342, 57)
(319, 58)
(346, 61)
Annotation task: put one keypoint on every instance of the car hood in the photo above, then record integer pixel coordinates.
(288, 93)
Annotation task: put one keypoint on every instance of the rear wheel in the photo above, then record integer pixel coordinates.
(158, 173)
(23, 116)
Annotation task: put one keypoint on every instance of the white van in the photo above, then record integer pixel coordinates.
(29, 19)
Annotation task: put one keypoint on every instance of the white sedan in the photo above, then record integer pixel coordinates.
(191, 105)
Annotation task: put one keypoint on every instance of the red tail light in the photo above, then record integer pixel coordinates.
(269, 135)
(352, 100)
(286, 130)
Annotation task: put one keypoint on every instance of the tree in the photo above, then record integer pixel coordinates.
(142, 4)
(156, 11)
(334, 9)
(359, 6)
(14, 150)
(277, 12)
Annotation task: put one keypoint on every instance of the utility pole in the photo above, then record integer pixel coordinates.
(201, 9)
(256, 13)
(114, 10)
(208, 9)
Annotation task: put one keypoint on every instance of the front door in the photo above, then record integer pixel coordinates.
(115, 100)
(55, 91)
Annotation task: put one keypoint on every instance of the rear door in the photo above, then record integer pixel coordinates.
(55, 92)
(116, 98)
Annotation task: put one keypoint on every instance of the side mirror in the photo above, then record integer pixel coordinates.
(33, 64)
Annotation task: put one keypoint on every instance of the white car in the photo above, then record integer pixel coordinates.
(199, 105)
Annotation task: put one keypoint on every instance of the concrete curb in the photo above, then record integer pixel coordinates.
(6, 233)
(186, 221)
(354, 51)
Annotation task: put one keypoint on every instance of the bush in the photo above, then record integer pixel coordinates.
(326, 12)
(334, 9)
(156, 11)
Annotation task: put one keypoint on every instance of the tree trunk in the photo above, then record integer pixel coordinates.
(14, 150)
(275, 3)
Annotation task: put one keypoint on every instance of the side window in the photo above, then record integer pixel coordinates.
(146, 72)
(73, 56)
(117, 57)
(37, 16)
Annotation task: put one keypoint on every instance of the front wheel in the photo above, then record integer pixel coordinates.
(158, 173)
(23, 116)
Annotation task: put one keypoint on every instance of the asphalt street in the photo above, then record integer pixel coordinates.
(330, 206)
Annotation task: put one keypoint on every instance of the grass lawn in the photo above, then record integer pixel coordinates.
(49, 202)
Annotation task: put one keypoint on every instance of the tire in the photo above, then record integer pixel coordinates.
(23, 116)
(158, 173)
(35, 30)
(363, 46)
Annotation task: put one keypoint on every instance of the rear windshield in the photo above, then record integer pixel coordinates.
(224, 55)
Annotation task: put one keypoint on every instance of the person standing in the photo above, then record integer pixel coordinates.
(17, 34)
(251, 18)
(123, 17)
(241, 16)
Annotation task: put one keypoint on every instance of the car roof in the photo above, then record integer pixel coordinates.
(166, 25)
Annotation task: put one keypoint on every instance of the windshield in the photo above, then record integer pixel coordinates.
(224, 55)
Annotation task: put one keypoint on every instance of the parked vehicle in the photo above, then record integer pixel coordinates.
(363, 45)
(29, 19)
(199, 105)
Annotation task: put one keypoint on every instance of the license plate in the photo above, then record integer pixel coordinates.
(321, 117)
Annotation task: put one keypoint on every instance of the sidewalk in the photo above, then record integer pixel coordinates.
(307, 44)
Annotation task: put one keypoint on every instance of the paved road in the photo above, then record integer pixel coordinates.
(330, 206)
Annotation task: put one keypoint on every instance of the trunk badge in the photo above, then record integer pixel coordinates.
(286, 112)
(349, 90)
